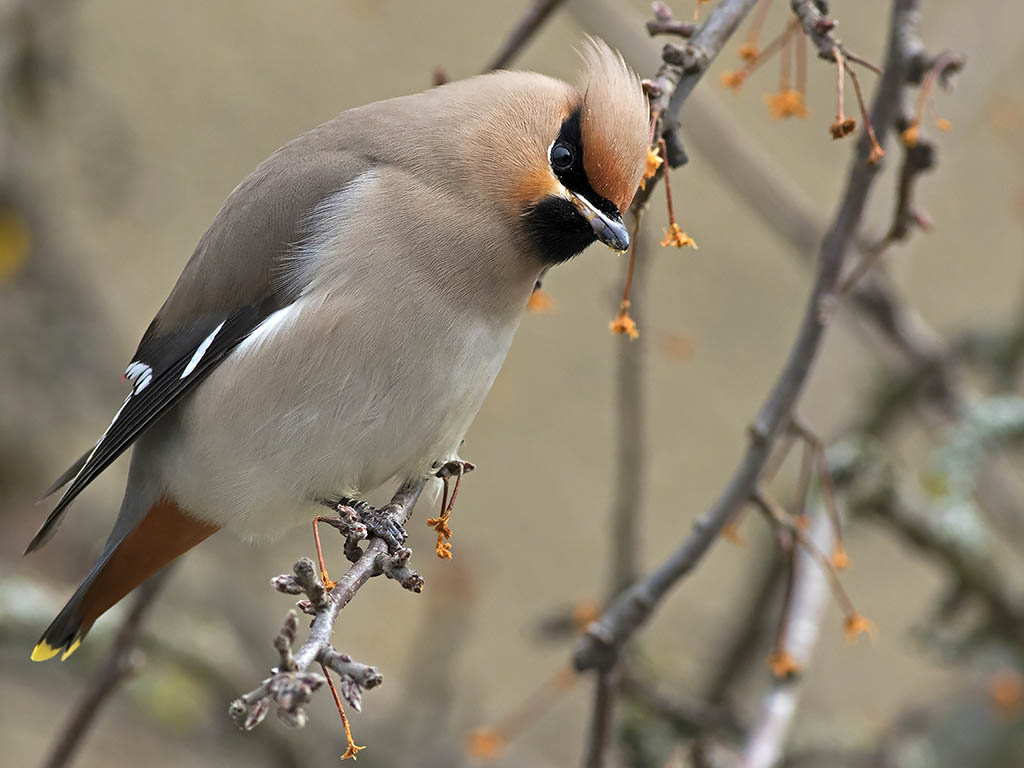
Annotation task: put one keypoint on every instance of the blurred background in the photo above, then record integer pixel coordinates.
(124, 124)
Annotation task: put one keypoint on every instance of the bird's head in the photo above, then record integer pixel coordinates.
(559, 162)
(582, 168)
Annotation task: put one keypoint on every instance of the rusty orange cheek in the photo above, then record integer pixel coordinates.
(535, 185)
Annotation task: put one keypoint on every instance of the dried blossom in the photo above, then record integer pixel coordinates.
(786, 103)
(675, 236)
(654, 162)
(782, 664)
(856, 625)
(623, 324)
(734, 80)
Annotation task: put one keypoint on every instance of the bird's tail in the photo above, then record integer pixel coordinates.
(165, 533)
(65, 632)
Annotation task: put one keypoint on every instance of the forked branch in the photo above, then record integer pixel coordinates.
(293, 681)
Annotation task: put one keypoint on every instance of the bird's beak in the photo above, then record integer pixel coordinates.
(609, 229)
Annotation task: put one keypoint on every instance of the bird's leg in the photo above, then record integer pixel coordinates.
(456, 468)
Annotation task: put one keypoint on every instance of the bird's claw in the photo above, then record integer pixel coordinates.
(377, 522)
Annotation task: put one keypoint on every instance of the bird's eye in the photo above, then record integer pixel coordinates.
(561, 157)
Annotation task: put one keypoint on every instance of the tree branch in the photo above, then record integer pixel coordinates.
(123, 661)
(741, 644)
(688, 716)
(600, 645)
(818, 28)
(291, 683)
(809, 598)
(599, 733)
(694, 58)
(631, 435)
(769, 192)
(682, 68)
(630, 483)
(971, 564)
(532, 20)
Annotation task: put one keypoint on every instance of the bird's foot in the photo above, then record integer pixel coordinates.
(365, 519)
(357, 520)
(456, 468)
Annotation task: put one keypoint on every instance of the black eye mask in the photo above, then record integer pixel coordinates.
(558, 227)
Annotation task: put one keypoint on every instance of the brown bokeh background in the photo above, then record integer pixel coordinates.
(159, 109)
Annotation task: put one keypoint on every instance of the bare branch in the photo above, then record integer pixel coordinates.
(600, 646)
(291, 683)
(916, 160)
(599, 733)
(682, 68)
(629, 483)
(123, 661)
(687, 715)
(631, 438)
(693, 59)
(818, 27)
(972, 566)
(741, 643)
(532, 20)
(755, 177)
(664, 23)
(806, 608)
(919, 154)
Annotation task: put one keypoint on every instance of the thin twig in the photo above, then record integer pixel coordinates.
(123, 660)
(818, 28)
(703, 48)
(775, 44)
(800, 629)
(755, 26)
(755, 177)
(599, 647)
(783, 521)
(826, 484)
(629, 483)
(786, 60)
(630, 437)
(600, 731)
(292, 683)
(687, 715)
(840, 85)
(529, 711)
(664, 23)
(788, 550)
(520, 35)
(972, 566)
(742, 641)
(351, 748)
(368, 565)
(680, 65)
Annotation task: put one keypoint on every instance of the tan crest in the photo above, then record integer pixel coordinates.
(614, 123)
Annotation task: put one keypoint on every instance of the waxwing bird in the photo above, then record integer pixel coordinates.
(342, 319)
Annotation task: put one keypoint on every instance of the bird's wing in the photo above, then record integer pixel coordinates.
(237, 277)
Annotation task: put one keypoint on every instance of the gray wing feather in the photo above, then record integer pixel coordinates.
(237, 276)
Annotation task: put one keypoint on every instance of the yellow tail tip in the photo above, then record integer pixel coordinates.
(44, 651)
(71, 648)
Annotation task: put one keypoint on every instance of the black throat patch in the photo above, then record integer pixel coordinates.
(557, 229)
